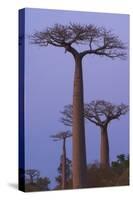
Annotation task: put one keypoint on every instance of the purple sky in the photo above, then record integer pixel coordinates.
(49, 85)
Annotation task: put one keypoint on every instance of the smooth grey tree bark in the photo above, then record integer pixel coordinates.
(78, 129)
(104, 148)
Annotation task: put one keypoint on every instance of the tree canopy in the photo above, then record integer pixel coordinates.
(99, 112)
(32, 174)
(61, 135)
(98, 40)
(102, 112)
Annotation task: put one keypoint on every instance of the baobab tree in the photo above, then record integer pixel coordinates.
(98, 41)
(33, 181)
(32, 174)
(101, 113)
(58, 137)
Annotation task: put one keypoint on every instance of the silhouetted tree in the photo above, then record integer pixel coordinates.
(99, 42)
(121, 168)
(63, 136)
(122, 158)
(31, 175)
(121, 163)
(34, 182)
(101, 113)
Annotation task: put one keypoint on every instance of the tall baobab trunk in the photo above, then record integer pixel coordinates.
(64, 165)
(79, 168)
(104, 157)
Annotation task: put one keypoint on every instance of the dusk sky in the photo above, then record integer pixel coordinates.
(49, 86)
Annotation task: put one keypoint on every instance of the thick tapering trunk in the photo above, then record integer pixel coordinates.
(79, 168)
(104, 157)
(64, 165)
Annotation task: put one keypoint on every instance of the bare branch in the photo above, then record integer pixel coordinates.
(93, 121)
(99, 41)
(106, 44)
(103, 112)
(99, 112)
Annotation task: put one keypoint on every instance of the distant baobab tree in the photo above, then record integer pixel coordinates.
(63, 136)
(101, 113)
(32, 174)
(98, 41)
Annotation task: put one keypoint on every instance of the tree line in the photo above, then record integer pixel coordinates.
(115, 175)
